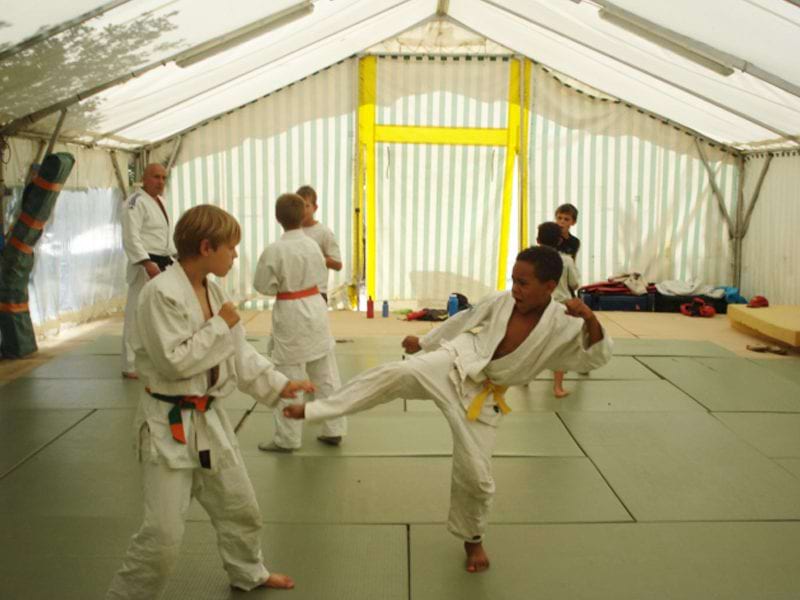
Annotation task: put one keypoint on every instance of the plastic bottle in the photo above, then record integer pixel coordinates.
(452, 305)
(385, 309)
(370, 308)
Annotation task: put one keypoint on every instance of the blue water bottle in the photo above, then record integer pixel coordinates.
(452, 305)
(385, 309)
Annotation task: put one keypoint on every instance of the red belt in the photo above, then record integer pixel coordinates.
(312, 291)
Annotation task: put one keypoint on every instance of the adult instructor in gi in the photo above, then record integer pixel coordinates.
(147, 240)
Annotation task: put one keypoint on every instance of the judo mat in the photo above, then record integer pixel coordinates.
(664, 475)
(690, 561)
(729, 384)
(651, 347)
(777, 322)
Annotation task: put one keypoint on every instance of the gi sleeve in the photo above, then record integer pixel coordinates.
(133, 216)
(255, 375)
(175, 349)
(330, 247)
(577, 355)
(266, 278)
(574, 279)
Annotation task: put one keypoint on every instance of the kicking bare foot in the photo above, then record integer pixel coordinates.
(295, 411)
(477, 559)
(560, 392)
(279, 581)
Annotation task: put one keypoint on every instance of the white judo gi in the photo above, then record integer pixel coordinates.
(176, 349)
(301, 345)
(570, 279)
(145, 231)
(327, 243)
(456, 367)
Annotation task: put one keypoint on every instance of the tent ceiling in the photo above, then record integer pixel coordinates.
(740, 110)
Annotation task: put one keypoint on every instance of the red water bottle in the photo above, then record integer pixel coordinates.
(370, 308)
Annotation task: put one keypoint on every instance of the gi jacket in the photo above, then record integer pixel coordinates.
(300, 329)
(558, 342)
(145, 231)
(176, 348)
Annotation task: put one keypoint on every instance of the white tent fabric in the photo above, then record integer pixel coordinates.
(771, 261)
(740, 110)
(644, 197)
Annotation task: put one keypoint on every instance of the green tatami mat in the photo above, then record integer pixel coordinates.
(91, 470)
(347, 562)
(648, 395)
(421, 434)
(681, 466)
(296, 489)
(775, 434)
(729, 384)
(259, 342)
(23, 432)
(103, 344)
(676, 561)
(70, 393)
(78, 366)
(789, 367)
(653, 347)
(790, 464)
(619, 367)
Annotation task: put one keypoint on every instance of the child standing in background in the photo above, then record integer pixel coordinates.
(320, 234)
(293, 269)
(566, 217)
(550, 234)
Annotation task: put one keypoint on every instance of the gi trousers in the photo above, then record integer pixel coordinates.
(428, 377)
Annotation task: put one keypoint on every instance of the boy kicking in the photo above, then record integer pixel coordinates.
(191, 353)
(468, 363)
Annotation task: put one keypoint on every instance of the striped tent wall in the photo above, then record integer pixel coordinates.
(438, 206)
(770, 263)
(644, 196)
(244, 160)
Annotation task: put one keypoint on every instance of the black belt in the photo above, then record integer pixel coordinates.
(162, 261)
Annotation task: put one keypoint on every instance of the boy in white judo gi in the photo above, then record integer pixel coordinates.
(550, 235)
(320, 234)
(293, 269)
(191, 353)
(469, 361)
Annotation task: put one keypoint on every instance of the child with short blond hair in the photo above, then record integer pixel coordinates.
(191, 353)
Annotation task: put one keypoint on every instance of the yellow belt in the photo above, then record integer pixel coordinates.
(498, 391)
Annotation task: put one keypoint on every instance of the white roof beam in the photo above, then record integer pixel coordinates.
(225, 82)
(657, 33)
(783, 134)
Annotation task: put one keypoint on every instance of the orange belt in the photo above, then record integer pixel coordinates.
(9, 307)
(50, 186)
(312, 291)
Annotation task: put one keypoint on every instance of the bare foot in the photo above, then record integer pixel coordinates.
(279, 581)
(295, 411)
(477, 559)
(560, 393)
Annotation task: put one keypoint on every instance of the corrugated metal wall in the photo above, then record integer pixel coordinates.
(438, 207)
(302, 134)
(770, 265)
(643, 193)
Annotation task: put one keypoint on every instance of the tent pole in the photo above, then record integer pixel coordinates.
(118, 173)
(737, 249)
(174, 155)
(51, 144)
(720, 200)
(756, 194)
(36, 161)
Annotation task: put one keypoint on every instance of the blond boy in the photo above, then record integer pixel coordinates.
(191, 353)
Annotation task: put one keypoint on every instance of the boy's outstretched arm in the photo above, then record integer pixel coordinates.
(577, 308)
